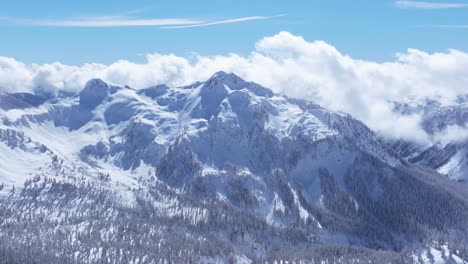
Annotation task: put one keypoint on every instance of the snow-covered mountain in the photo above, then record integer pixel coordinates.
(447, 125)
(218, 171)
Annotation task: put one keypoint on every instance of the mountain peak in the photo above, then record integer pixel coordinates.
(96, 83)
(93, 93)
(230, 79)
(220, 74)
(224, 75)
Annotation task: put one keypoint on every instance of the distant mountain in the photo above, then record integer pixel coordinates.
(9, 101)
(220, 171)
(448, 127)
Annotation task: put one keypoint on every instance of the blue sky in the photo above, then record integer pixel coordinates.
(76, 32)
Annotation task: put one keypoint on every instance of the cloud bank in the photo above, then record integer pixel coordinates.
(287, 64)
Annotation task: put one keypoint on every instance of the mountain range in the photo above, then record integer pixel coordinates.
(222, 171)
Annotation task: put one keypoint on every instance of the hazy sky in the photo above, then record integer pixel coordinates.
(76, 32)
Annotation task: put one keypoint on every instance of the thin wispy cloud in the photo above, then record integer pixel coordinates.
(443, 26)
(123, 21)
(451, 26)
(428, 5)
(228, 21)
(111, 21)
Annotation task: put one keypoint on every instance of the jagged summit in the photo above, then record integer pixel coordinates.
(222, 79)
(230, 79)
(223, 74)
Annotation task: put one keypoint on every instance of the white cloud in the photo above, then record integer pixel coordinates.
(288, 64)
(429, 5)
(123, 21)
(454, 133)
